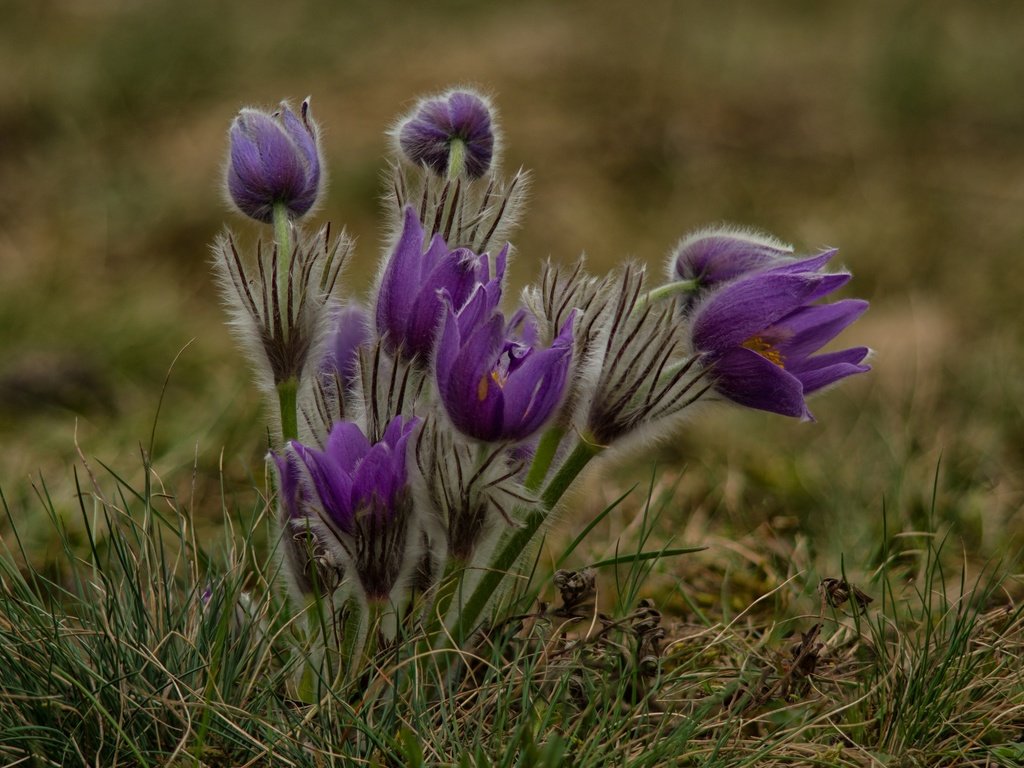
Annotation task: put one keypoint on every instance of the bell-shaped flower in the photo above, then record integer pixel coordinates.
(357, 501)
(409, 304)
(760, 332)
(453, 131)
(496, 388)
(274, 159)
(715, 255)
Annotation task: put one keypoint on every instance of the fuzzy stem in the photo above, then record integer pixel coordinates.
(543, 457)
(283, 241)
(517, 543)
(668, 290)
(353, 639)
(456, 158)
(287, 396)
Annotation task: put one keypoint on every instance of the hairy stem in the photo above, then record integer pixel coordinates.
(287, 396)
(543, 457)
(520, 539)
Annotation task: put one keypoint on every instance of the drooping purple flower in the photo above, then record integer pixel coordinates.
(357, 498)
(713, 256)
(496, 388)
(429, 134)
(760, 334)
(409, 304)
(351, 331)
(274, 159)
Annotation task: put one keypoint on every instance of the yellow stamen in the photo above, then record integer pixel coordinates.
(481, 389)
(765, 349)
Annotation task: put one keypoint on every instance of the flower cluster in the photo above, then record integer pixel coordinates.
(427, 436)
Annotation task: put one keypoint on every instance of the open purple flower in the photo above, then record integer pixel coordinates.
(454, 127)
(760, 334)
(274, 159)
(409, 303)
(356, 500)
(494, 387)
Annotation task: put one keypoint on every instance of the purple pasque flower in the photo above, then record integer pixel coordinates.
(351, 330)
(716, 255)
(409, 304)
(493, 387)
(761, 331)
(356, 501)
(274, 159)
(429, 134)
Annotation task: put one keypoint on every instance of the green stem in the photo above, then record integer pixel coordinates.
(517, 543)
(287, 397)
(668, 290)
(456, 158)
(543, 457)
(283, 240)
(353, 639)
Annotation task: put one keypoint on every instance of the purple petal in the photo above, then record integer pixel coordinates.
(346, 445)
(716, 256)
(534, 390)
(473, 400)
(457, 275)
(375, 479)
(749, 306)
(350, 333)
(449, 341)
(822, 370)
(808, 329)
(745, 377)
(401, 278)
(332, 485)
(809, 264)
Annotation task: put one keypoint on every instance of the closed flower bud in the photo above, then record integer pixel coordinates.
(274, 160)
(712, 256)
(451, 134)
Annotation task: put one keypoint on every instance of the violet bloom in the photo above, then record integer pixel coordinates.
(455, 127)
(713, 256)
(409, 304)
(274, 159)
(493, 387)
(351, 331)
(359, 503)
(759, 333)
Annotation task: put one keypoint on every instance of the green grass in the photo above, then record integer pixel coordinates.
(887, 129)
(115, 656)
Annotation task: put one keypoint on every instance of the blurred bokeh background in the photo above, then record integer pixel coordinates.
(892, 130)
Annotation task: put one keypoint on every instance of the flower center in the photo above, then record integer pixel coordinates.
(765, 349)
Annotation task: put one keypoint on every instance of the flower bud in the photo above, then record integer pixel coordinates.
(274, 160)
(450, 134)
(712, 256)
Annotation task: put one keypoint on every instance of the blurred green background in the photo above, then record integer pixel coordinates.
(892, 130)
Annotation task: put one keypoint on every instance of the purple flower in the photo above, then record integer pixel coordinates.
(430, 134)
(714, 256)
(409, 303)
(759, 333)
(351, 331)
(274, 159)
(494, 387)
(356, 501)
